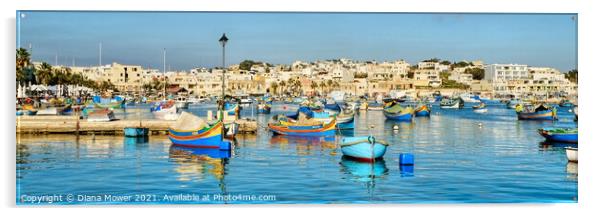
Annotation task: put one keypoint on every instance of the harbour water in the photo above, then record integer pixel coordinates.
(460, 157)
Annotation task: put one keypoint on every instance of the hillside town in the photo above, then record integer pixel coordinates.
(320, 78)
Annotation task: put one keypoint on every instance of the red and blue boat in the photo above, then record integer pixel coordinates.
(565, 135)
(293, 128)
(540, 112)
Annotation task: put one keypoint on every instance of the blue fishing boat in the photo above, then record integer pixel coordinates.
(232, 109)
(298, 129)
(565, 135)
(394, 111)
(204, 136)
(511, 104)
(422, 110)
(135, 131)
(539, 112)
(565, 103)
(365, 148)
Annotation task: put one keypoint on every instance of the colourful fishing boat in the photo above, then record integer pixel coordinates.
(203, 136)
(293, 128)
(29, 110)
(365, 148)
(109, 103)
(135, 131)
(567, 135)
(565, 103)
(346, 121)
(511, 104)
(99, 115)
(394, 111)
(540, 112)
(422, 110)
(232, 109)
(165, 111)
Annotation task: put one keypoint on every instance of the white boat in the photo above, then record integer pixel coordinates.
(48, 111)
(571, 154)
(182, 102)
(170, 113)
(469, 98)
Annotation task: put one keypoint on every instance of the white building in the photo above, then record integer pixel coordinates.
(505, 72)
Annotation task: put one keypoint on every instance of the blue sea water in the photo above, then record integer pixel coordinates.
(460, 157)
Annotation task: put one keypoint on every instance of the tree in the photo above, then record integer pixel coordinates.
(23, 71)
(446, 62)
(274, 87)
(44, 73)
(460, 64)
(445, 75)
(572, 75)
(432, 60)
(477, 73)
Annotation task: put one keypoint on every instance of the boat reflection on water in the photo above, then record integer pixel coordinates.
(346, 133)
(572, 170)
(362, 171)
(553, 146)
(135, 141)
(304, 145)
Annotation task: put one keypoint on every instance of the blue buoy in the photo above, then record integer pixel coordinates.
(406, 159)
(406, 170)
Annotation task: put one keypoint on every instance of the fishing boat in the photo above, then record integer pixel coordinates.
(394, 111)
(450, 103)
(264, 108)
(346, 120)
(110, 103)
(99, 115)
(191, 131)
(375, 106)
(422, 110)
(29, 110)
(565, 135)
(303, 127)
(165, 111)
(480, 108)
(365, 148)
(19, 112)
(232, 109)
(469, 98)
(135, 131)
(571, 154)
(539, 112)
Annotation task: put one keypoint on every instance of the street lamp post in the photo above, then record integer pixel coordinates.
(223, 40)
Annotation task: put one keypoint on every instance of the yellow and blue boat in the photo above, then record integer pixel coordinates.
(565, 135)
(540, 112)
(205, 136)
(394, 111)
(422, 110)
(296, 129)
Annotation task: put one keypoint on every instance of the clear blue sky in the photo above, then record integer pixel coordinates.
(280, 38)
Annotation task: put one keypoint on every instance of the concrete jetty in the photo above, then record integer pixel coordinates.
(75, 125)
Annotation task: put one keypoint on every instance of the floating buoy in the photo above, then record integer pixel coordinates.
(406, 159)
(395, 127)
(480, 124)
(570, 110)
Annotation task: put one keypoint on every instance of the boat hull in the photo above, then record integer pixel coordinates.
(363, 151)
(398, 116)
(572, 154)
(326, 130)
(347, 122)
(540, 115)
(209, 138)
(560, 137)
(135, 131)
(422, 111)
(480, 110)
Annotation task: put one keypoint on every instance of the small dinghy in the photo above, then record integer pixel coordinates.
(571, 154)
(422, 110)
(365, 148)
(481, 108)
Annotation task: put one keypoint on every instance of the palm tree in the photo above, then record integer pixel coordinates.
(274, 87)
(322, 85)
(44, 73)
(282, 85)
(23, 61)
(314, 85)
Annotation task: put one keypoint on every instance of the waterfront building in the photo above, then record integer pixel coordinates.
(426, 78)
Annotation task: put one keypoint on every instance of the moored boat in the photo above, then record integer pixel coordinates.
(365, 148)
(422, 110)
(572, 154)
(448, 103)
(135, 131)
(264, 108)
(165, 111)
(538, 112)
(346, 120)
(567, 135)
(29, 110)
(192, 131)
(394, 111)
(304, 128)
(375, 106)
(480, 108)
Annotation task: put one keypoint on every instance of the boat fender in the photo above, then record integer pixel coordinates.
(395, 127)
(406, 159)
